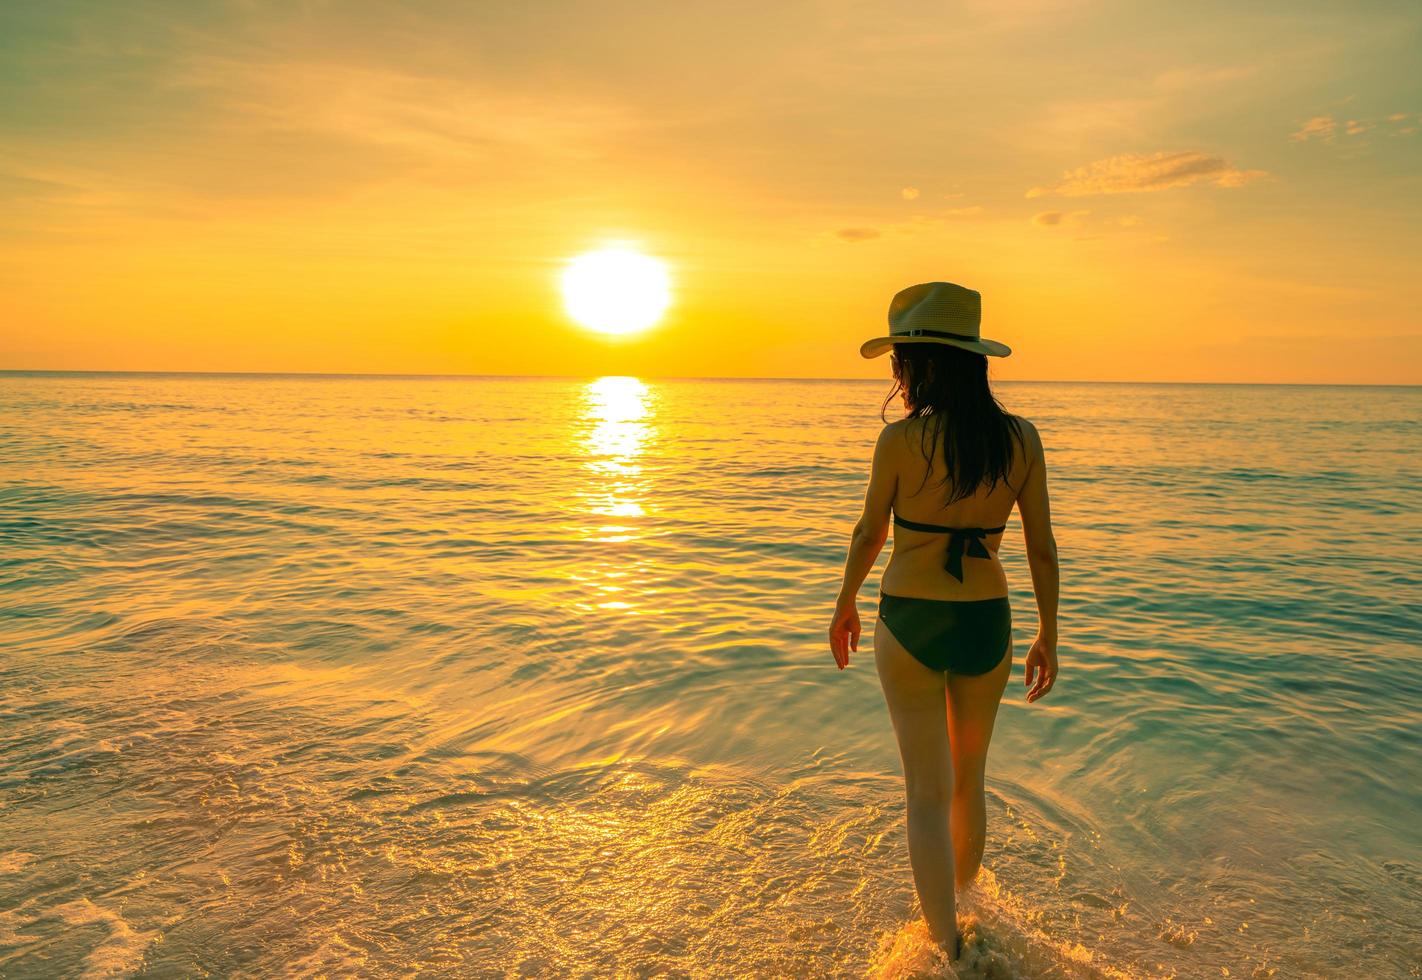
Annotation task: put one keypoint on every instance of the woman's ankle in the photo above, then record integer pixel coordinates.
(952, 949)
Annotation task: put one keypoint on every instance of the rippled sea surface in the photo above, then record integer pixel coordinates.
(474, 676)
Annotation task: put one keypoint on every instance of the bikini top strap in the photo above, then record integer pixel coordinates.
(961, 541)
(942, 528)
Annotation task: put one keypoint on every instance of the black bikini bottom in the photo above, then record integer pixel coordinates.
(963, 636)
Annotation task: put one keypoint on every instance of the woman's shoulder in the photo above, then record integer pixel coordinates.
(1031, 438)
(892, 435)
(1023, 421)
(899, 426)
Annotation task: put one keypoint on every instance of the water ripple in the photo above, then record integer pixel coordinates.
(379, 676)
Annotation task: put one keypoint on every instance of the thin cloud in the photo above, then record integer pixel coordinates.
(431, 117)
(914, 223)
(1109, 117)
(918, 222)
(28, 187)
(1326, 128)
(857, 234)
(909, 193)
(1319, 127)
(1133, 173)
(1051, 219)
(1196, 77)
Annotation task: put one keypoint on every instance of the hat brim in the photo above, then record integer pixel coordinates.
(881, 345)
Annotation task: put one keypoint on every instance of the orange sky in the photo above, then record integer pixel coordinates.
(1189, 194)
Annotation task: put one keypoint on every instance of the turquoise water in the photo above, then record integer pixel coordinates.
(492, 676)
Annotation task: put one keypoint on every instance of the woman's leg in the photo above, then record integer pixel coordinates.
(918, 708)
(972, 711)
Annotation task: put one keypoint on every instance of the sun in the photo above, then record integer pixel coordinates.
(616, 290)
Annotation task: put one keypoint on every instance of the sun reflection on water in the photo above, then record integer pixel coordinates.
(618, 410)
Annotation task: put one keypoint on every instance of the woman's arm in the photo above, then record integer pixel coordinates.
(872, 528)
(870, 533)
(1035, 510)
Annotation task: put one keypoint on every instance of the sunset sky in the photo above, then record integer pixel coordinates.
(1183, 192)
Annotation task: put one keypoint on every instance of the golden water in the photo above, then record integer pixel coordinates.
(488, 676)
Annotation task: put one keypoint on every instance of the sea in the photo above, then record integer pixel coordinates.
(308, 675)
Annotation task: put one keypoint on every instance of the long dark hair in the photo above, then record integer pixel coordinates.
(948, 386)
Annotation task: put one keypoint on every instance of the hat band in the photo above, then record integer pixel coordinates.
(920, 332)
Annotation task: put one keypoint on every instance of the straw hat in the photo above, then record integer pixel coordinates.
(936, 313)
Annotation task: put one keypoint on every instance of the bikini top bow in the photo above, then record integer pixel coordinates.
(961, 540)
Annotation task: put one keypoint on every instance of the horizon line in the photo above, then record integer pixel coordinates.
(671, 377)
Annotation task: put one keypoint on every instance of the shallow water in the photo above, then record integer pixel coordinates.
(493, 676)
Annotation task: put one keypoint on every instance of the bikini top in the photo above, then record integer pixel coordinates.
(961, 540)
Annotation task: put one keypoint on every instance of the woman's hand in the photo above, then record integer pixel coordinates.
(844, 631)
(1041, 660)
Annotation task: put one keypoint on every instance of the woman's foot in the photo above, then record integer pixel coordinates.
(956, 952)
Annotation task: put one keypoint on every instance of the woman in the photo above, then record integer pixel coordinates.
(949, 472)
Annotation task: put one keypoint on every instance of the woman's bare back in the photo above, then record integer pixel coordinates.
(917, 565)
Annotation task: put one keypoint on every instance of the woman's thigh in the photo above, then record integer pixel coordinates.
(973, 701)
(918, 706)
